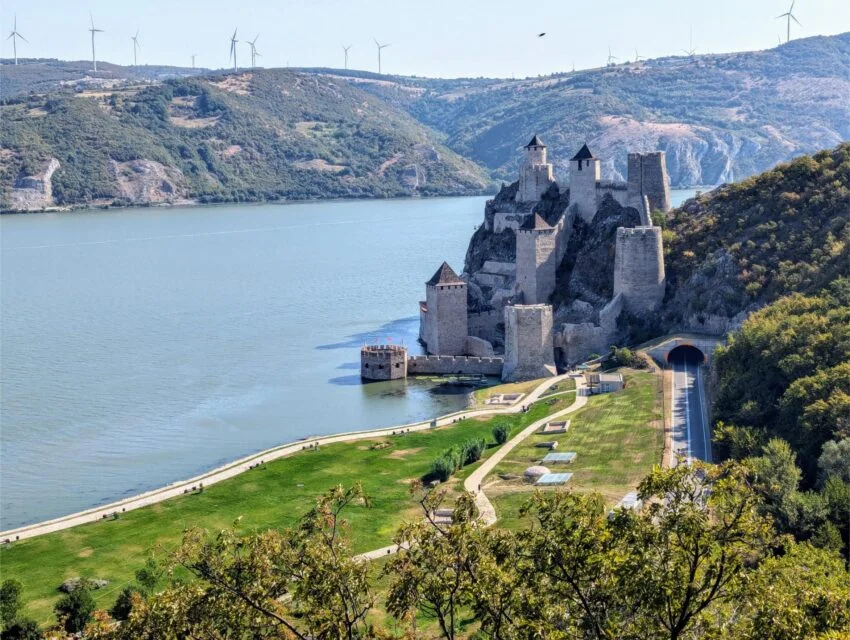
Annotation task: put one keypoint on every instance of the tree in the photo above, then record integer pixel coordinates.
(834, 461)
(22, 629)
(429, 573)
(501, 433)
(10, 602)
(74, 610)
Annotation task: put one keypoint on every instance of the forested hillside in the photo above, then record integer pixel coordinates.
(254, 135)
(742, 246)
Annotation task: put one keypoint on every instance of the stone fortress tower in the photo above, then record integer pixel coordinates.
(442, 315)
(535, 174)
(585, 174)
(529, 349)
(648, 182)
(536, 259)
(639, 268)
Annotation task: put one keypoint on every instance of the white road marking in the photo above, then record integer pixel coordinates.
(704, 415)
(687, 410)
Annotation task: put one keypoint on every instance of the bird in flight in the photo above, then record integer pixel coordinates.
(540, 35)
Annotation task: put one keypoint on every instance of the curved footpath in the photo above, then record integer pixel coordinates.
(244, 464)
(486, 510)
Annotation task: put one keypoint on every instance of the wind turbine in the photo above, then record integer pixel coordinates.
(380, 47)
(638, 57)
(136, 46)
(233, 42)
(344, 48)
(93, 31)
(14, 36)
(193, 60)
(789, 16)
(611, 58)
(254, 54)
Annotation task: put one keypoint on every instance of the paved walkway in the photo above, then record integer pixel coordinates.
(486, 510)
(244, 464)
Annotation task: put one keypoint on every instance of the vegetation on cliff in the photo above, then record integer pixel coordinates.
(248, 136)
(747, 244)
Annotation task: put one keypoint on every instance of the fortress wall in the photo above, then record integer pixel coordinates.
(529, 352)
(508, 220)
(577, 342)
(454, 365)
(617, 190)
(485, 325)
(647, 176)
(639, 268)
(534, 180)
(610, 312)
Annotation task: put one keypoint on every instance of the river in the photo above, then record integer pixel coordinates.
(142, 346)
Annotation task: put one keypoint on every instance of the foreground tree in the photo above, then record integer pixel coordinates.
(74, 610)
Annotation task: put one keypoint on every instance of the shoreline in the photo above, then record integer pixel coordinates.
(236, 467)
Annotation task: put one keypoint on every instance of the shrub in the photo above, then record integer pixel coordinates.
(74, 610)
(500, 433)
(472, 450)
(124, 603)
(443, 467)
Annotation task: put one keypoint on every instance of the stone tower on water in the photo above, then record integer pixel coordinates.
(535, 174)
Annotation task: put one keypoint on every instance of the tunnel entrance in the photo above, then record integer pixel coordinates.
(685, 354)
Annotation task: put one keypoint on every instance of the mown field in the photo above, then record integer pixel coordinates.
(617, 438)
(274, 495)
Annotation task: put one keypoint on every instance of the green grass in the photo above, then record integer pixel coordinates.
(481, 395)
(276, 495)
(564, 385)
(618, 438)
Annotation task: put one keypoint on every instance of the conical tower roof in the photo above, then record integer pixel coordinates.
(535, 142)
(584, 154)
(445, 275)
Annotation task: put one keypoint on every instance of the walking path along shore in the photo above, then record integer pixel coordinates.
(241, 465)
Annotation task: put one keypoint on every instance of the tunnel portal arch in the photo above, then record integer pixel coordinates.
(686, 353)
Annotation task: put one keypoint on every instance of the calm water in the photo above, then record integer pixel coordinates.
(143, 346)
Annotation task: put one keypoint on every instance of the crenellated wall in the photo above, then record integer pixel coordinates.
(383, 362)
(454, 365)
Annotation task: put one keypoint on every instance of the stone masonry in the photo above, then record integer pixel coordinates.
(536, 260)
(647, 178)
(535, 174)
(639, 268)
(383, 362)
(443, 317)
(529, 350)
(585, 173)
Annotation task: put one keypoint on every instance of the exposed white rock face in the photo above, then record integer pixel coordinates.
(35, 192)
(147, 181)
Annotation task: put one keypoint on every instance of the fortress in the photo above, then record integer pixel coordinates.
(503, 303)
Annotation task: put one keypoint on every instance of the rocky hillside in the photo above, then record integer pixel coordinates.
(266, 134)
(719, 118)
(745, 245)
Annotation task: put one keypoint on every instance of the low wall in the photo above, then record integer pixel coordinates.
(452, 365)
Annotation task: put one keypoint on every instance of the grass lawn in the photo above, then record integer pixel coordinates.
(564, 385)
(480, 395)
(275, 495)
(617, 437)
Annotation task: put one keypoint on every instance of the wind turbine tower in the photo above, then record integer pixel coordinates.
(254, 54)
(380, 47)
(15, 35)
(136, 46)
(789, 16)
(93, 31)
(691, 50)
(193, 60)
(611, 58)
(233, 42)
(345, 49)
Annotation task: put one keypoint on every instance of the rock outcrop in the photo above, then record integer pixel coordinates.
(34, 192)
(147, 181)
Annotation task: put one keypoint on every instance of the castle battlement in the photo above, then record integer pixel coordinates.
(639, 268)
(383, 362)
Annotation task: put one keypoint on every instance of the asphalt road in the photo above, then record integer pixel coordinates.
(691, 431)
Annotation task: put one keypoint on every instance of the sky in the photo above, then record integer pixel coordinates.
(436, 38)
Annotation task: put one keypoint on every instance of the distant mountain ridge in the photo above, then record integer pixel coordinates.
(152, 134)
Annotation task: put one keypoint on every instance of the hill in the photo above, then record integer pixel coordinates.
(265, 134)
(747, 244)
(719, 117)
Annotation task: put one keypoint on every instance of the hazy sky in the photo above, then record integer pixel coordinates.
(445, 38)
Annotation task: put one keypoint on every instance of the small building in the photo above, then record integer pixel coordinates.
(553, 479)
(560, 458)
(605, 382)
(383, 362)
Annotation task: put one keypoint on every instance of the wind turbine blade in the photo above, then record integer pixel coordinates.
(781, 15)
(795, 20)
(11, 35)
(27, 41)
(792, 6)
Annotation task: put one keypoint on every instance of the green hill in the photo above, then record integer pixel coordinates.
(265, 134)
